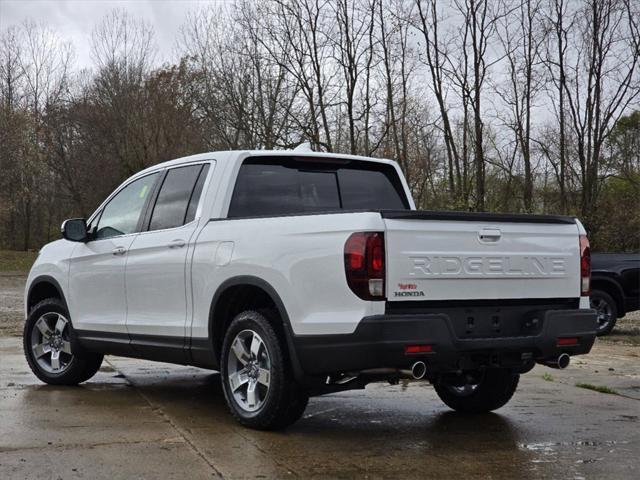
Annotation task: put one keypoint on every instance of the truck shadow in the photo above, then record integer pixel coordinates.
(380, 432)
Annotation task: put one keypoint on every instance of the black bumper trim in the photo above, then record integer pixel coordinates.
(379, 341)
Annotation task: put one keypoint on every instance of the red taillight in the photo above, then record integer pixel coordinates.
(409, 349)
(364, 264)
(585, 266)
(567, 341)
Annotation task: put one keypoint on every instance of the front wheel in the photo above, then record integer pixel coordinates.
(480, 393)
(256, 377)
(52, 352)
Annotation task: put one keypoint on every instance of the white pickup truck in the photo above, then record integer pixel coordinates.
(298, 274)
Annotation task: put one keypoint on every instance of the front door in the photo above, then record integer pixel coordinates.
(97, 298)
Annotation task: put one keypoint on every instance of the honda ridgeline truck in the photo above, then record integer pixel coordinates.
(298, 274)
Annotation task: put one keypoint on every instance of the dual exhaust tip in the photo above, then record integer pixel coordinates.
(418, 370)
(562, 361)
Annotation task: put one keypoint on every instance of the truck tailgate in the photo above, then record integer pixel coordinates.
(469, 256)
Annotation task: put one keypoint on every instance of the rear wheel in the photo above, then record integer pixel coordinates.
(479, 393)
(50, 347)
(256, 377)
(606, 311)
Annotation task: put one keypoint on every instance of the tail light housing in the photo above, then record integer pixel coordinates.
(585, 266)
(364, 264)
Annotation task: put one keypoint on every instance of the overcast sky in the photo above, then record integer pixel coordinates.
(75, 19)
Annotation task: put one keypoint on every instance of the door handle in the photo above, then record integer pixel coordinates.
(119, 251)
(177, 243)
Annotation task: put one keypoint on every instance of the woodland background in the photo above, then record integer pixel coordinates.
(504, 105)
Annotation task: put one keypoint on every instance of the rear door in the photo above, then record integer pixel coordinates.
(484, 257)
(156, 267)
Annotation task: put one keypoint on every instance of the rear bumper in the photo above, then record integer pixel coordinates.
(380, 340)
(631, 304)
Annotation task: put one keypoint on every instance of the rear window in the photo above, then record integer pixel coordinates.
(273, 186)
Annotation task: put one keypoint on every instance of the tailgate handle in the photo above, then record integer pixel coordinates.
(489, 235)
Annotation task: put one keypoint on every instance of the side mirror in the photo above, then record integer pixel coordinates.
(75, 230)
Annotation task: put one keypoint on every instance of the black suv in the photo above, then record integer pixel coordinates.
(615, 287)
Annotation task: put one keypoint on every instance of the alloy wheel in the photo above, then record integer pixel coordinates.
(249, 370)
(604, 312)
(50, 343)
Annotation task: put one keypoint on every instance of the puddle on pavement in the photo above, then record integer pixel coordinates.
(544, 446)
(551, 449)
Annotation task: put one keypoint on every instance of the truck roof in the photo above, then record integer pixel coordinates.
(239, 155)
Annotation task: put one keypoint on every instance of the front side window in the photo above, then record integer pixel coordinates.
(178, 197)
(120, 216)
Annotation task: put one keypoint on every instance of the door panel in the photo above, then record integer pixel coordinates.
(97, 298)
(96, 285)
(157, 302)
(155, 282)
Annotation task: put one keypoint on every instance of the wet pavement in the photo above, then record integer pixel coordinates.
(138, 419)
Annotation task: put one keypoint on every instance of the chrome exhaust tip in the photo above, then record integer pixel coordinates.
(563, 361)
(418, 370)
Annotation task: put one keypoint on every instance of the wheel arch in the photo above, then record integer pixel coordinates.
(42, 287)
(612, 288)
(220, 312)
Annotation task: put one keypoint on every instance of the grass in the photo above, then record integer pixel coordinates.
(15, 261)
(597, 388)
(548, 377)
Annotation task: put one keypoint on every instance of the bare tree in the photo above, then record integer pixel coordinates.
(36, 57)
(480, 16)
(555, 61)
(123, 49)
(523, 43)
(451, 89)
(353, 49)
(435, 56)
(602, 81)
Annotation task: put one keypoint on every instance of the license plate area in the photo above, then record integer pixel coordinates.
(496, 322)
(495, 318)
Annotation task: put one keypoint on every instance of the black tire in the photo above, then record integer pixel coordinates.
(284, 401)
(82, 365)
(606, 309)
(493, 390)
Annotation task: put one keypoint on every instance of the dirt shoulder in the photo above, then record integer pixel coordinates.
(16, 261)
(11, 303)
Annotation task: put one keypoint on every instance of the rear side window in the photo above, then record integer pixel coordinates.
(369, 189)
(195, 196)
(176, 204)
(279, 189)
(283, 186)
